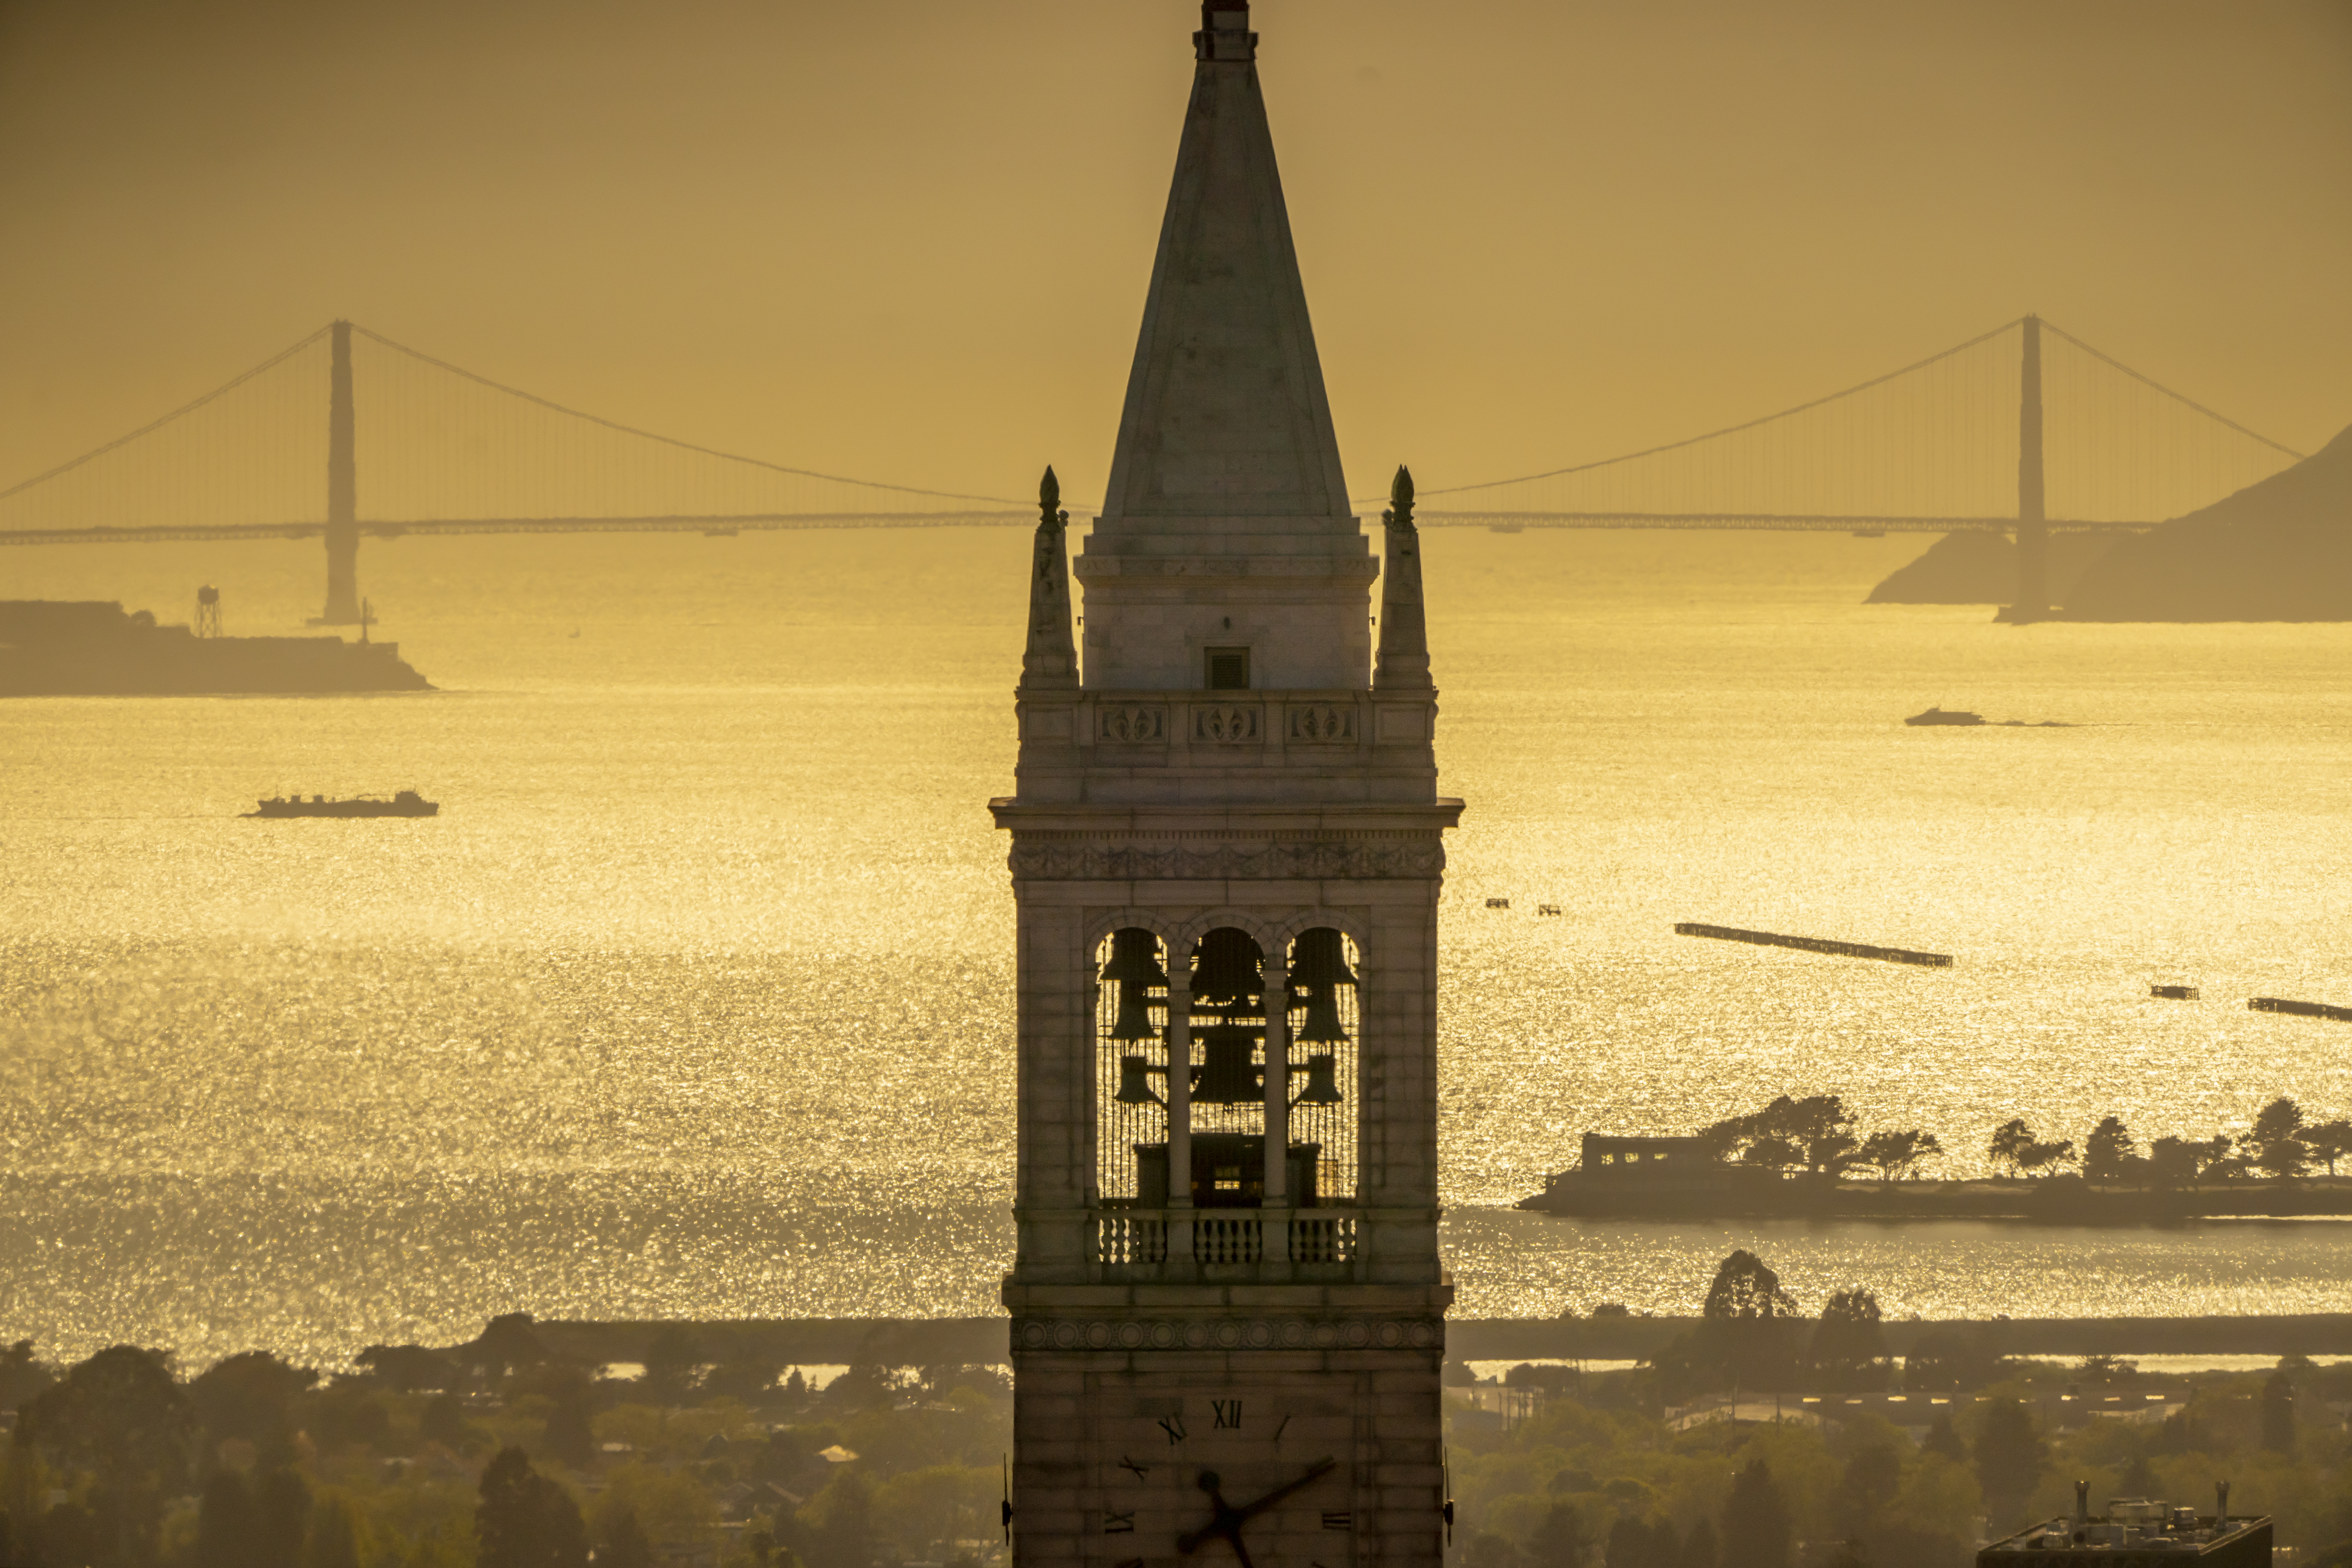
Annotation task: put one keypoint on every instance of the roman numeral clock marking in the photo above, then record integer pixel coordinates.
(1174, 1426)
(1228, 1413)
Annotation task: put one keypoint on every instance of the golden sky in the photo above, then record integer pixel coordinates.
(908, 239)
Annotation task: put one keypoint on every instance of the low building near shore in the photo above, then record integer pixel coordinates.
(2139, 1531)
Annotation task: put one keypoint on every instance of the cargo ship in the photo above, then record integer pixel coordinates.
(51, 647)
(407, 803)
(1944, 716)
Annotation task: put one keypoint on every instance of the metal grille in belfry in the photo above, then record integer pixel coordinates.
(1228, 1010)
(1125, 1063)
(1324, 1102)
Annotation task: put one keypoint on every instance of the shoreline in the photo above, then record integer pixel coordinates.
(909, 1342)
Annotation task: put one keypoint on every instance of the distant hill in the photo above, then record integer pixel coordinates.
(2280, 549)
(1982, 569)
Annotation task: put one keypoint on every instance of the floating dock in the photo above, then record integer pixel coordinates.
(1816, 944)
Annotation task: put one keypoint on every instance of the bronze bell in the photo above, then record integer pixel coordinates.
(1322, 1023)
(1135, 964)
(1228, 1076)
(1322, 1082)
(1227, 970)
(1135, 1082)
(1318, 961)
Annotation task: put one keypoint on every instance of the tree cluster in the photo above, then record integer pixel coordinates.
(2281, 1142)
(1821, 1136)
(495, 1455)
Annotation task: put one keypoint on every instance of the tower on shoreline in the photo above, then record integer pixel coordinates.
(1228, 1311)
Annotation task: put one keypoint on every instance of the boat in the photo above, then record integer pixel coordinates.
(407, 803)
(1939, 715)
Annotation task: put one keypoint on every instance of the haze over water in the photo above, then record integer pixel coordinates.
(696, 999)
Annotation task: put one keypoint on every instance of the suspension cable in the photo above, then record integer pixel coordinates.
(2177, 397)
(228, 387)
(1712, 435)
(669, 440)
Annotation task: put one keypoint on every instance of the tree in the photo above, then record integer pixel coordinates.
(2041, 1156)
(227, 1523)
(842, 1522)
(1634, 1544)
(1746, 1286)
(525, 1521)
(1815, 1132)
(1756, 1516)
(2274, 1142)
(409, 1369)
(1560, 1541)
(281, 1519)
(1698, 1547)
(626, 1545)
(120, 1416)
(2329, 1141)
(507, 1341)
(21, 1377)
(2009, 1140)
(2107, 1156)
(1899, 1154)
(334, 1537)
(2179, 1162)
(1872, 1477)
(1848, 1350)
(247, 1396)
(2009, 1455)
(1943, 1439)
(570, 1436)
(2278, 1413)
(442, 1421)
(672, 1356)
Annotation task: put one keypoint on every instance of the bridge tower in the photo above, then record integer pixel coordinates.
(1228, 1310)
(2032, 533)
(342, 487)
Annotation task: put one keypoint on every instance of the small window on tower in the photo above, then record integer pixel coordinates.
(1229, 669)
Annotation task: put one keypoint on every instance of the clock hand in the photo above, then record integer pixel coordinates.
(1320, 1468)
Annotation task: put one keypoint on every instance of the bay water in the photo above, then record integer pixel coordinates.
(696, 999)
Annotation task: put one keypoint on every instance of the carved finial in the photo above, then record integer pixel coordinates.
(1049, 499)
(1401, 664)
(1051, 658)
(1400, 496)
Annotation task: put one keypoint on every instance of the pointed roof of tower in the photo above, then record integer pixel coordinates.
(1226, 416)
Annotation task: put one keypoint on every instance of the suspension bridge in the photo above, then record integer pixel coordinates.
(2022, 430)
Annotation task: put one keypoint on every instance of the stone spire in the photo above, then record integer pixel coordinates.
(1226, 518)
(1051, 658)
(1225, 415)
(1403, 661)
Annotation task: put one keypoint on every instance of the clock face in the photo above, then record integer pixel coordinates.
(1238, 1477)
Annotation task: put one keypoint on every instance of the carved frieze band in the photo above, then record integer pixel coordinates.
(1227, 1333)
(1315, 859)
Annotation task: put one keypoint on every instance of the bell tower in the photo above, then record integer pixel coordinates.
(1228, 1311)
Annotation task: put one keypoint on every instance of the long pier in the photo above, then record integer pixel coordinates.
(2301, 1009)
(1816, 944)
